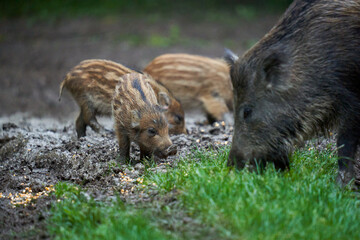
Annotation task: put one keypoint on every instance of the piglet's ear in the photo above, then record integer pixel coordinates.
(230, 57)
(164, 100)
(161, 108)
(135, 118)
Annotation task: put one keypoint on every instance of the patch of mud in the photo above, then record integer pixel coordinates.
(37, 153)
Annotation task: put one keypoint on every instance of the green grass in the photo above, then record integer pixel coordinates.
(78, 216)
(303, 203)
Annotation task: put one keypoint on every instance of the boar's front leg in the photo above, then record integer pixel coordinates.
(215, 108)
(347, 142)
(95, 125)
(80, 125)
(88, 117)
(124, 145)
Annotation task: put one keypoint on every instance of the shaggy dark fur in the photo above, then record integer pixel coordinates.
(300, 80)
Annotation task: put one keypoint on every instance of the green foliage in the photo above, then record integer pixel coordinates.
(78, 216)
(45, 9)
(172, 38)
(246, 12)
(303, 203)
(65, 190)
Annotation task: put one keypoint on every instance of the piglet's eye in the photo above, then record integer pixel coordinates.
(247, 112)
(178, 119)
(151, 132)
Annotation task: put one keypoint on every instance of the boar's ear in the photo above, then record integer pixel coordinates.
(164, 100)
(160, 108)
(272, 66)
(230, 57)
(135, 118)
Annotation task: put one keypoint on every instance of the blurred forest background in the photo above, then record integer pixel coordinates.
(41, 40)
(45, 9)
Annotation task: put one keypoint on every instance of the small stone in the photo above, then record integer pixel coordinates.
(206, 138)
(8, 126)
(139, 166)
(215, 131)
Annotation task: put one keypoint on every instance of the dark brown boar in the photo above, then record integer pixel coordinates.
(196, 81)
(92, 84)
(299, 81)
(138, 117)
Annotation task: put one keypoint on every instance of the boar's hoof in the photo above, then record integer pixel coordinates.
(236, 159)
(257, 165)
(80, 133)
(109, 131)
(344, 178)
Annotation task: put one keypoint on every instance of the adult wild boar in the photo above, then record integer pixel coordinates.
(300, 80)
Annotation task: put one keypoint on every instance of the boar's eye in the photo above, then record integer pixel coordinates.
(151, 132)
(178, 119)
(247, 112)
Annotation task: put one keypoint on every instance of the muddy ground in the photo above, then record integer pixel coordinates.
(38, 144)
(37, 153)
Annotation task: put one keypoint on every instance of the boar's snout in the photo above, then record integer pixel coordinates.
(239, 158)
(164, 153)
(167, 149)
(172, 150)
(236, 158)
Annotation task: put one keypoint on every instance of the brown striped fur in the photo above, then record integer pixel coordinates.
(138, 117)
(195, 81)
(174, 112)
(92, 83)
